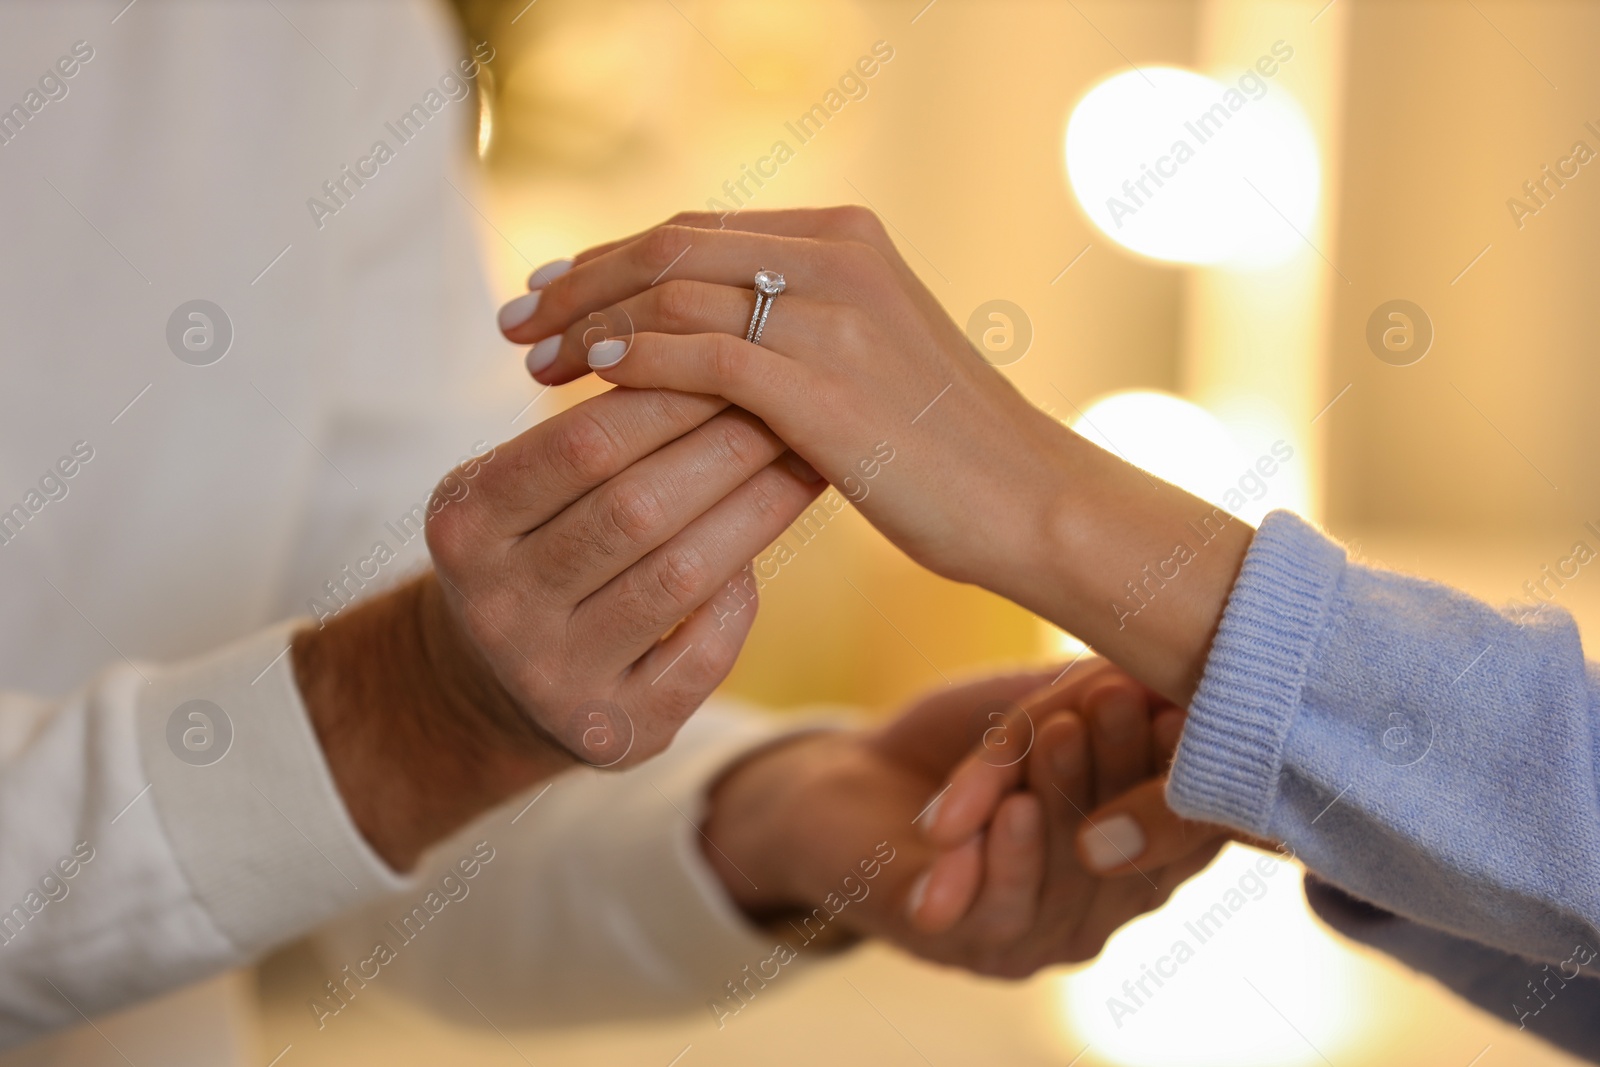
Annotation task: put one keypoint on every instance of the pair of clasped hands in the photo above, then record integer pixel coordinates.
(1030, 806)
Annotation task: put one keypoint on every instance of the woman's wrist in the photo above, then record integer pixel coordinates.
(1133, 566)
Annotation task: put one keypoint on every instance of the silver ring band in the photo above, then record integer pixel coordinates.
(769, 284)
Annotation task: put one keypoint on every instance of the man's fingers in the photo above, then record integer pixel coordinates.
(938, 731)
(1014, 863)
(630, 516)
(1061, 775)
(943, 893)
(671, 681)
(1118, 713)
(537, 474)
(1138, 831)
(999, 764)
(695, 566)
(975, 791)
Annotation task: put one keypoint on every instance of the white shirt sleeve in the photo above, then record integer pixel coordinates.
(597, 902)
(129, 869)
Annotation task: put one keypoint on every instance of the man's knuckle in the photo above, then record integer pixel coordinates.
(764, 502)
(683, 576)
(676, 701)
(563, 558)
(447, 532)
(702, 670)
(718, 655)
(741, 442)
(586, 447)
(634, 511)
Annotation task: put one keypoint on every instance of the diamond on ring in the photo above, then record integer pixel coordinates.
(769, 283)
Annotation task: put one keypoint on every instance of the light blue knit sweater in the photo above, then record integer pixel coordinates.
(1421, 752)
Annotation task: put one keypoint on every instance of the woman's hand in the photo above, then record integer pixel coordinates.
(860, 372)
(863, 374)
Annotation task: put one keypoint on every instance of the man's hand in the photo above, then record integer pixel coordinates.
(797, 818)
(1125, 824)
(570, 616)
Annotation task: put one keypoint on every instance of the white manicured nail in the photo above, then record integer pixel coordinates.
(607, 353)
(1116, 842)
(544, 353)
(919, 889)
(543, 276)
(519, 311)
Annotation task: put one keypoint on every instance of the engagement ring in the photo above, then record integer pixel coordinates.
(769, 283)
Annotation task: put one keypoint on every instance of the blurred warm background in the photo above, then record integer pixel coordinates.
(1385, 150)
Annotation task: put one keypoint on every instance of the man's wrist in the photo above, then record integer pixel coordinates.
(744, 833)
(418, 736)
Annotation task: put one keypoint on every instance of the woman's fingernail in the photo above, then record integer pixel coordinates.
(930, 814)
(607, 353)
(519, 311)
(808, 474)
(919, 889)
(1114, 843)
(543, 276)
(543, 354)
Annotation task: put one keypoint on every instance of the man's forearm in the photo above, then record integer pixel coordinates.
(418, 736)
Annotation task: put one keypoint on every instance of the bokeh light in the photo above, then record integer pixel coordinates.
(1181, 167)
(1181, 442)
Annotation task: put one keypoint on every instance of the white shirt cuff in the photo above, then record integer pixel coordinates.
(246, 797)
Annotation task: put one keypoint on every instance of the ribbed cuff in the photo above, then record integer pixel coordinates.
(1231, 753)
(246, 797)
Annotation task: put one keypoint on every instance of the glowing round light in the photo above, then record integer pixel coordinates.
(1181, 442)
(1181, 167)
(1168, 436)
